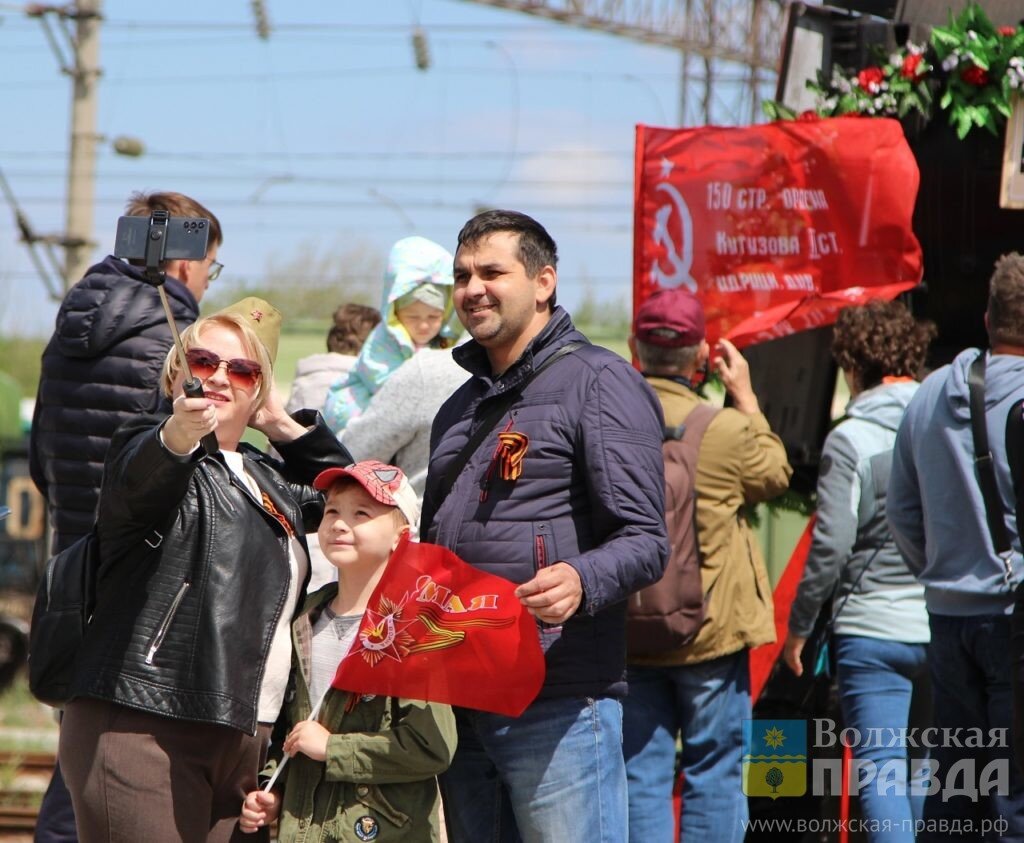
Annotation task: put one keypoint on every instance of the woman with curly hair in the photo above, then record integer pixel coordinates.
(879, 621)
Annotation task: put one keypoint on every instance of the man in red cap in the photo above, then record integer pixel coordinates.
(702, 690)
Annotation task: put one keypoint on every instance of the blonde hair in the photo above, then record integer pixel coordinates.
(254, 348)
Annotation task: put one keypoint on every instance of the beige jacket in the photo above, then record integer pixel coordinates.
(740, 462)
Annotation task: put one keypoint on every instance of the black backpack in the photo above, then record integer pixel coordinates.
(64, 603)
(667, 615)
(65, 600)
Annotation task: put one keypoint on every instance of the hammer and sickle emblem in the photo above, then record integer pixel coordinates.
(680, 260)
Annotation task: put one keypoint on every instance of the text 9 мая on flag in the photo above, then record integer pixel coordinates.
(438, 629)
(775, 228)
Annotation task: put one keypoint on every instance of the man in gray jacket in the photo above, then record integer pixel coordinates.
(938, 519)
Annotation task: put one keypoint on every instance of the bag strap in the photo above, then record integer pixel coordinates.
(498, 409)
(696, 424)
(985, 465)
(691, 430)
(830, 626)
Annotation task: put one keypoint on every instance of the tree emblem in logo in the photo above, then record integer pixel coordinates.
(775, 758)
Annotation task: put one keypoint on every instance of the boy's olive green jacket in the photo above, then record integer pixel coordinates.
(378, 781)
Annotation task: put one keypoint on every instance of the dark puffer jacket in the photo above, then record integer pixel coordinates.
(591, 493)
(184, 617)
(101, 367)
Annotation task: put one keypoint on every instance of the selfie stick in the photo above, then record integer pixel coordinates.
(154, 247)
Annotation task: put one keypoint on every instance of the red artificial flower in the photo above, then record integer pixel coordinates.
(1007, 31)
(808, 115)
(974, 75)
(870, 79)
(909, 68)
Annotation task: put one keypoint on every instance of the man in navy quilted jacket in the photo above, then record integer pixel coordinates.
(100, 368)
(564, 495)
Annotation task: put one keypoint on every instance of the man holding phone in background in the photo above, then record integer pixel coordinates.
(102, 366)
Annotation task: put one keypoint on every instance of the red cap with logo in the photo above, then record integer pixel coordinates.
(670, 318)
(386, 484)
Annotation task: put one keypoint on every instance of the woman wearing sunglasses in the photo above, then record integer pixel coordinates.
(186, 660)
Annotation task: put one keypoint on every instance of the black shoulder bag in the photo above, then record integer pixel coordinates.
(64, 604)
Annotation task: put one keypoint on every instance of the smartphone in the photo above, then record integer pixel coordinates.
(186, 238)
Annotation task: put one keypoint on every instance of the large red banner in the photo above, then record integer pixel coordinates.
(438, 629)
(775, 227)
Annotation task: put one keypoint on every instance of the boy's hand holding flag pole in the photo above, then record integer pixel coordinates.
(438, 629)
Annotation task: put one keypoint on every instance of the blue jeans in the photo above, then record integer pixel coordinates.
(876, 678)
(706, 703)
(970, 665)
(551, 775)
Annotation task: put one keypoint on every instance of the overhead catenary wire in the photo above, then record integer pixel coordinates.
(31, 239)
(429, 198)
(348, 180)
(355, 155)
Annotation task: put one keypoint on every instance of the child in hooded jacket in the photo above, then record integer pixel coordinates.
(418, 313)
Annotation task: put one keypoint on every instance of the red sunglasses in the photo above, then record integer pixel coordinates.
(242, 373)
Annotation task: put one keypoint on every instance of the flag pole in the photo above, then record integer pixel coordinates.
(284, 761)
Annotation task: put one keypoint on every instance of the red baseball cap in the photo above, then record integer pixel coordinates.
(386, 484)
(670, 318)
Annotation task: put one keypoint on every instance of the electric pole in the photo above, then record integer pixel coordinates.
(82, 165)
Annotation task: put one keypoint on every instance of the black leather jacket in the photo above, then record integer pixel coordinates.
(195, 572)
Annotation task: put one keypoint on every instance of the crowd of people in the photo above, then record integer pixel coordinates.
(233, 581)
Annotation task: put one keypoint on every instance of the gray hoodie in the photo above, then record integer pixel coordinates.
(852, 552)
(935, 507)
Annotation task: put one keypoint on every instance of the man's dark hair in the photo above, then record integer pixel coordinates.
(537, 249)
(880, 339)
(352, 325)
(1006, 301)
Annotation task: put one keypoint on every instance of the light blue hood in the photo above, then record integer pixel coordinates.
(1004, 383)
(884, 405)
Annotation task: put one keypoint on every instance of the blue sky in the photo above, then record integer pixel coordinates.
(327, 140)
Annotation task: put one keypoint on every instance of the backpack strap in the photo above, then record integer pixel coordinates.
(691, 431)
(696, 423)
(985, 466)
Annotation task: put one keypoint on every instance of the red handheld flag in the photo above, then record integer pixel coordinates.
(776, 227)
(438, 629)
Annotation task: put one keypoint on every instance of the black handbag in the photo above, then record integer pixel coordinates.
(64, 603)
(65, 600)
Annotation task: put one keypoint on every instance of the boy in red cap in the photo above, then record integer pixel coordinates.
(381, 754)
